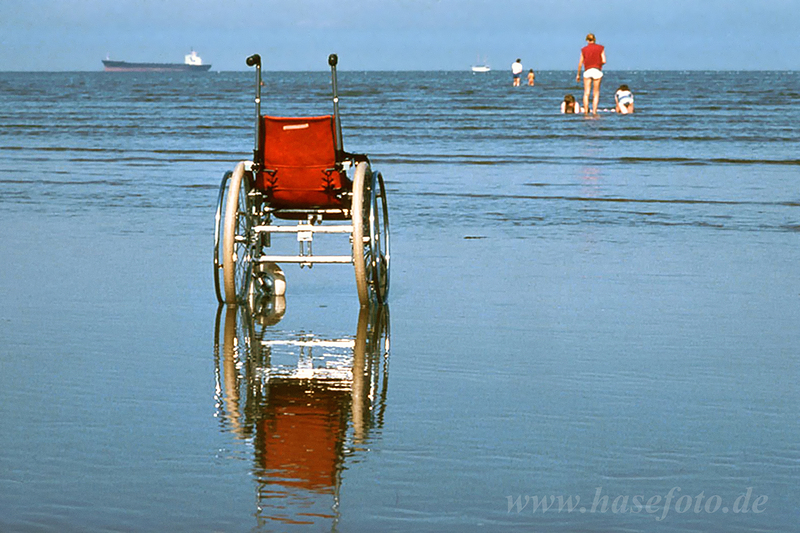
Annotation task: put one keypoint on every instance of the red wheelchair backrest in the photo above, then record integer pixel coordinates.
(299, 162)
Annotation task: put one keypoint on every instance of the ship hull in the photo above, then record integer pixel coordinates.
(124, 66)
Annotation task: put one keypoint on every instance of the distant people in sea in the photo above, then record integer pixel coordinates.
(624, 100)
(569, 105)
(516, 71)
(593, 57)
(531, 77)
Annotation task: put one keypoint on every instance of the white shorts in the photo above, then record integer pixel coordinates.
(593, 74)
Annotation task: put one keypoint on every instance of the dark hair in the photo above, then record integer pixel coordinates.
(569, 102)
(623, 87)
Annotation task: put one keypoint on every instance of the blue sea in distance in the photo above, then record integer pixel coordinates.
(594, 321)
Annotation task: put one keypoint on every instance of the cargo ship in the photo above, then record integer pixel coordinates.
(191, 63)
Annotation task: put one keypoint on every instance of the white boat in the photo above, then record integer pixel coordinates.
(481, 67)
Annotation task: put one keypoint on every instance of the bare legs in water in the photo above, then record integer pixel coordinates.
(591, 84)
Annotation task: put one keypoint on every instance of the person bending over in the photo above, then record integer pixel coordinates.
(624, 99)
(569, 105)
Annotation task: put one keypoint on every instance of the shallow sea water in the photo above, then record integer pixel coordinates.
(598, 308)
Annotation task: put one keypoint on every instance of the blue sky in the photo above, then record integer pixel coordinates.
(49, 35)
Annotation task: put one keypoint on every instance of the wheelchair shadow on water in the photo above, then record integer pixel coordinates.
(304, 403)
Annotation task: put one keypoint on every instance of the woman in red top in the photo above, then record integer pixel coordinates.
(593, 57)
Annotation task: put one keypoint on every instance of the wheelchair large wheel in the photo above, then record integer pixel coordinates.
(379, 237)
(370, 236)
(217, 235)
(236, 239)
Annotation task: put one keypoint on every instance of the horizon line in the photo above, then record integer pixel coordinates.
(465, 70)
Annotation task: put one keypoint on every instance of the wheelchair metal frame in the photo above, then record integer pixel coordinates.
(245, 223)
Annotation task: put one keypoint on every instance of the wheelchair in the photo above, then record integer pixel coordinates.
(301, 181)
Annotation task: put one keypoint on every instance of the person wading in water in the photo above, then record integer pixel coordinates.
(593, 57)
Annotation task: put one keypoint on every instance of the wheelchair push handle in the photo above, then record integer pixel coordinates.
(255, 61)
(333, 60)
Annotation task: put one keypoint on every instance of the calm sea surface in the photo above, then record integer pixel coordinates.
(594, 326)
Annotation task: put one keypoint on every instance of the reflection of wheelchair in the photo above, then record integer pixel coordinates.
(303, 402)
(300, 172)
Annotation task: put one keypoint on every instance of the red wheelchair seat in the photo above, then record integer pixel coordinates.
(300, 169)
